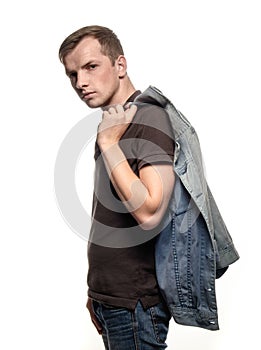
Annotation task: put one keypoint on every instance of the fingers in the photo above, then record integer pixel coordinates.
(119, 109)
(130, 112)
(114, 110)
(120, 112)
(115, 122)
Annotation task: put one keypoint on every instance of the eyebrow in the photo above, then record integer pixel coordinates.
(92, 61)
(68, 72)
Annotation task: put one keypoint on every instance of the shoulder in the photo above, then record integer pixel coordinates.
(146, 112)
(153, 116)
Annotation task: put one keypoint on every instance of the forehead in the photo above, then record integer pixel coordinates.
(87, 49)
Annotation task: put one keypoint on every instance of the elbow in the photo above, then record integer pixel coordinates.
(149, 221)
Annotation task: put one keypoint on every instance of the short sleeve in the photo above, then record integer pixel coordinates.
(154, 141)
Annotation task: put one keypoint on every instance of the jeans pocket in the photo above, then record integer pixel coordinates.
(160, 317)
(96, 310)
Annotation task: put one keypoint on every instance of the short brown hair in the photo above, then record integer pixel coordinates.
(110, 44)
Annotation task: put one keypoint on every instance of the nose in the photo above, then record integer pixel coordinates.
(82, 80)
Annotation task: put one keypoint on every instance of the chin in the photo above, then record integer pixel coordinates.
(92, 104)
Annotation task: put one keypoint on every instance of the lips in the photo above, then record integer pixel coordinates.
(87, 95)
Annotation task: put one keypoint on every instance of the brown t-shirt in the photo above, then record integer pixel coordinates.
(120, 253)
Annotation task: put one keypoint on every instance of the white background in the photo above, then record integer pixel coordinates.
(205, 56)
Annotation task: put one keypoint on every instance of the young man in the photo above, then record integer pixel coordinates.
(134, 181)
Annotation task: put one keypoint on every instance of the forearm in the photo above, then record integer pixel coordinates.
(131, 190)
(147, 195)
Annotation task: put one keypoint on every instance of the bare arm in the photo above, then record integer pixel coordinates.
(146, 196)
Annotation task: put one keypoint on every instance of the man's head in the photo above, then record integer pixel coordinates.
(94, 61)
(110, 44)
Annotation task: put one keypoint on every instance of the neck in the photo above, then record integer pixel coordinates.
(126, 89)
(129, 90)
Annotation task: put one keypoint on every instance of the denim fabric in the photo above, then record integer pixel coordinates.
(188, 166)
(185, 265)
(140, 329)
(195, 247)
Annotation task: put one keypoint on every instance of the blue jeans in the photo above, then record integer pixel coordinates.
(133, 330)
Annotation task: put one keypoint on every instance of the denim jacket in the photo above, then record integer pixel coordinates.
(195, 247)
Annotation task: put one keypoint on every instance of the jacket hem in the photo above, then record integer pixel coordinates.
(194, 318)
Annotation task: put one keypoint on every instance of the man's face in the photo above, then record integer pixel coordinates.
(92, 74)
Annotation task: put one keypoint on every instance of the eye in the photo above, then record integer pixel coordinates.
(72, 76)
(92, 66)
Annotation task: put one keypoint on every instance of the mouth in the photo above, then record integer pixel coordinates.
(87, 95)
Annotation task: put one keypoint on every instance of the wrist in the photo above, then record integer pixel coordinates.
(105, 146)
(112, 155)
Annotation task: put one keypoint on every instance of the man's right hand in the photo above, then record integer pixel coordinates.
(93, 317)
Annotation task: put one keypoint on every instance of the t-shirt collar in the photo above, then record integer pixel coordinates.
(133, 96)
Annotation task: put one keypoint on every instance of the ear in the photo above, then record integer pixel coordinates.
(121, 65)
